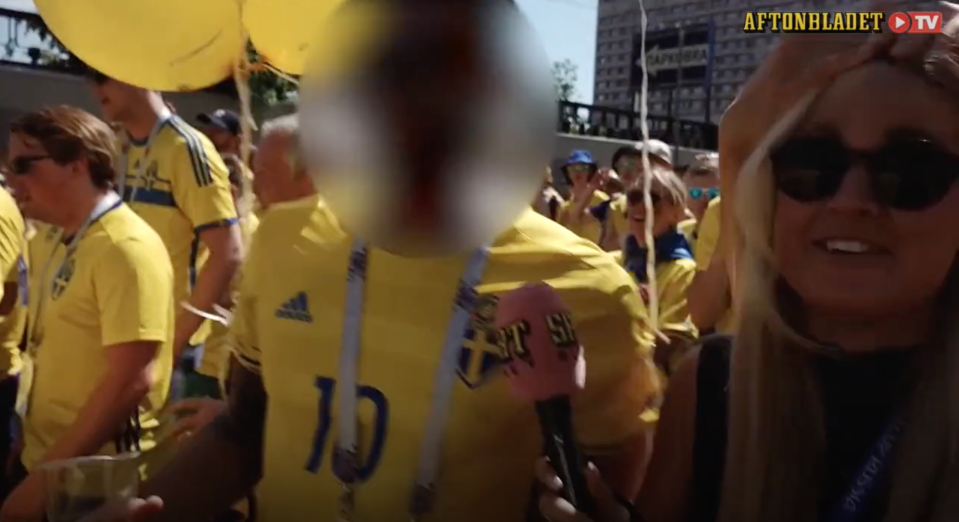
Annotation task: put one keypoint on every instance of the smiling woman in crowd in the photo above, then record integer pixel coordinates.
(836, 401)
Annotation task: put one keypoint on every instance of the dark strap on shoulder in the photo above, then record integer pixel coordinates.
(709, 448)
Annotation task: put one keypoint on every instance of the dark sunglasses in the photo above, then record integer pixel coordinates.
(579, 168)
(21, 165)
(635, 197)
(698, 193)
(905, 174)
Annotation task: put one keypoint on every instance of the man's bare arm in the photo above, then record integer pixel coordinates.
(219, 465)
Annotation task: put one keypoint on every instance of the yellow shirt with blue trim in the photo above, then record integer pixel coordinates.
(289, 328)
(675, 270)
(587, 228)
(216, 350)
(116, 288)
(13, 267)
(185, 188)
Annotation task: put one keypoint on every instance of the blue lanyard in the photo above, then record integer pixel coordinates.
(109, 202)
(852, 506)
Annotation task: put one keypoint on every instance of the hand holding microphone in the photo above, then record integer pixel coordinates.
(545, 365)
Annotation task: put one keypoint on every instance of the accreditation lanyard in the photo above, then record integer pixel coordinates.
(345, 461)
(109, 202)
(162, 120)
(852, 505)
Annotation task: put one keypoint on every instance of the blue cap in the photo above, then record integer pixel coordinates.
(579, 157)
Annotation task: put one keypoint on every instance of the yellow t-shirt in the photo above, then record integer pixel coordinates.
(289, 326)
(588, 228)
(116, 288)
(185, 189)
(708, 234)
(13, 268)
(672, 286)
(216, 350)
(706, 242)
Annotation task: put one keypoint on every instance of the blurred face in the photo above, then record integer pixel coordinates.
(223, 140)
(271, 169)
(629, 168)
(116, 98)
(579, 175)
(400, 159)
(36, 181)
(703, 187)
(666, 214)
(867, 201)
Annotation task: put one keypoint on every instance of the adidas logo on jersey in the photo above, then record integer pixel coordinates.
(295, 309)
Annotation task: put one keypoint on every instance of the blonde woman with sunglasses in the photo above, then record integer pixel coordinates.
(836, 402)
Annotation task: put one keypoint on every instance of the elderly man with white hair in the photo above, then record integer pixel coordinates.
(278, 174)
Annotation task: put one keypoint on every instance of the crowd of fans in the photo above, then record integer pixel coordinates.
(267, 363)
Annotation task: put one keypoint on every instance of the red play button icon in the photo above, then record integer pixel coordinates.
(899, 22)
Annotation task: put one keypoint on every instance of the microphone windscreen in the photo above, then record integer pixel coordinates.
(542, 356)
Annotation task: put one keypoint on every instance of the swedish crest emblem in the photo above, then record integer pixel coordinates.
(64, 275)
(483, 315)
(479, 357)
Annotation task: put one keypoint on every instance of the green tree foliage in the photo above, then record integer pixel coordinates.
(565, 76)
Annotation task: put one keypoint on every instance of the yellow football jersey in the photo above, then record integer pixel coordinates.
(116, 288)
(588, 228)
(184, 189)
(289, 327)
(216, 350)
(707, 235)
(673, 278)
(616, 219)
(13, 267)
(707, 240)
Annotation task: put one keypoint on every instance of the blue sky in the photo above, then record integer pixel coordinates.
(567, 29)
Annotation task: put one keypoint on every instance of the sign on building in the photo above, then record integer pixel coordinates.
(674, 57)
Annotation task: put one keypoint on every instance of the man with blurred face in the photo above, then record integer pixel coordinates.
(173, 177)
(376, 304)
(279, 173)
(223, 129)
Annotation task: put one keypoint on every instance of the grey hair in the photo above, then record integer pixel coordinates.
(288, 125)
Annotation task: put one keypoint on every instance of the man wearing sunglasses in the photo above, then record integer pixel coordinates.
(173, 177)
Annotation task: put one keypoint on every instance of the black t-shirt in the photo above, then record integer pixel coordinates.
(859, 394)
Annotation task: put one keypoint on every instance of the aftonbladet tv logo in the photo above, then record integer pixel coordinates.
(915, 22)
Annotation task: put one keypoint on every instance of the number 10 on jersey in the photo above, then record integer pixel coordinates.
(327, 388)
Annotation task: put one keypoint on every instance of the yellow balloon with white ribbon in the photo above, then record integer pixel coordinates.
(283, 31)
(166, 45)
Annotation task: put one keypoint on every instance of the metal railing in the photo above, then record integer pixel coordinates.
(606, 122)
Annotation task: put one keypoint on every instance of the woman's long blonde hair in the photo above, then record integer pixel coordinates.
(776, 434)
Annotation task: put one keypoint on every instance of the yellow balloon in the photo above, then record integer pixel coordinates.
(166, 45)
(283, 31)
